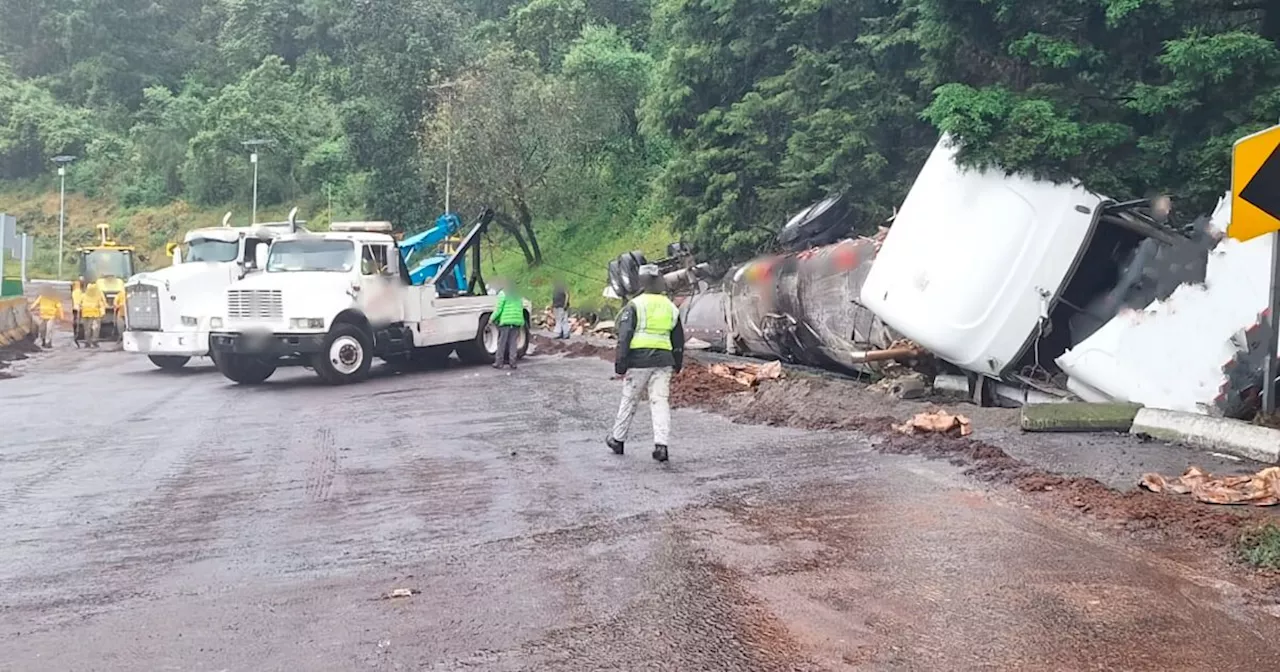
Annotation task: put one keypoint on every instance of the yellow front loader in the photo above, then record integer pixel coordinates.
(108, 265)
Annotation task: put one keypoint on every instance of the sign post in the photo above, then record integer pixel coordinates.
(4, 243)
(1255, 211)
(26, 251)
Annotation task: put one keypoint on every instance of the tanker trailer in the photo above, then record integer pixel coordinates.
(803, 307)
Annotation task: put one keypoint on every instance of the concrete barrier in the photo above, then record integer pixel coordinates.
(15, 320)
(1221, 434)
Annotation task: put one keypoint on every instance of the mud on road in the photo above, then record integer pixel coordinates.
(158, 521)
(809, 402)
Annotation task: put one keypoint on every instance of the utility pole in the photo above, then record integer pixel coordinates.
(252, 146)
(62, 161)
(448, 158)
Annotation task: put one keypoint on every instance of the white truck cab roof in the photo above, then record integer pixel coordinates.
(354, 236)
(231, 234)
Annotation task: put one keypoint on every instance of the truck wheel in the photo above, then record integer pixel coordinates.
(345, 357)
(169, 362)
(615, 279)
(822, 223)
(482, 348)
(522, 339)
(243, 369)
(629, 269)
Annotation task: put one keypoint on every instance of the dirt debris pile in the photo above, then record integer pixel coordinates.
(698, 386)
(551, 346)
(1260, 489)
(15, 352)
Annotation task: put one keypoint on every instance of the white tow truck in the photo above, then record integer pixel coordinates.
(334, 301)
(167, 311)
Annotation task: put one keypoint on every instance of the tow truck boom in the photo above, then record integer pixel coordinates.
(420, 272)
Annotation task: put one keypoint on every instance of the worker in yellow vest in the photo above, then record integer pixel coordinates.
(93, 306)
(77, 296)
(650, 349)
(48, 311)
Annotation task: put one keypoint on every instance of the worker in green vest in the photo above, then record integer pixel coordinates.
(508, 316)
(650, 349)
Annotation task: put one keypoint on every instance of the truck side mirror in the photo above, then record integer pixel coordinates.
(260, 255)
(175, 253)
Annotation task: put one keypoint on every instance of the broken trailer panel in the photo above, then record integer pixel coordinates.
(991, 272)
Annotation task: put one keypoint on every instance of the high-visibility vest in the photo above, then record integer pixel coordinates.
(656, 316)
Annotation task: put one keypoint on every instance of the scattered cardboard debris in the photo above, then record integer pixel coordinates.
(748, 375)
(908, 385)
(1260, 489)
(936, 422)
(579, 325)
(694, 343)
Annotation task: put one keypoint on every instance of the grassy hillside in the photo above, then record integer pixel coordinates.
(576, 251)
(148, 229)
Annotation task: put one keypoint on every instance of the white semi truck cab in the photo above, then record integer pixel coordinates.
(334, 301)
(167, 311)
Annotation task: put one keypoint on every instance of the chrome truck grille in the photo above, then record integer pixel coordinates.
(142, 307)
(255, 304)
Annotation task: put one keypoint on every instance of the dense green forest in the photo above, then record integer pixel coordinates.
(713, 118)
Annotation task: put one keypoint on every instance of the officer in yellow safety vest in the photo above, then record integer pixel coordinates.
(650, 349)
(48, 310)
(77, 297)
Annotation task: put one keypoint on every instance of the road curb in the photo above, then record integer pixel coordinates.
(1229, 436)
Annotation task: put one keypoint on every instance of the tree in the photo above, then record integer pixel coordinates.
(1128, 96)
(774, 105)
(34, 126)
(547, 28)
(269, 102)
(516, 133)
(611, 74)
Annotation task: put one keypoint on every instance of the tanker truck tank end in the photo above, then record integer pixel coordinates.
(800, 307)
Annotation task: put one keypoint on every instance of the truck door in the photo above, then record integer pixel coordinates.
(380, 287)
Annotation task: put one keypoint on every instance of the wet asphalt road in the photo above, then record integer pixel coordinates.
(152, 521)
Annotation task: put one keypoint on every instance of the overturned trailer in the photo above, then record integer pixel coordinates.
(799, 307)
(803, 307)
(1054, 287)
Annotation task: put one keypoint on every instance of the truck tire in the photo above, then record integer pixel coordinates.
(482, 348)
(615, 279)
(243, 369)
(629, 268)
(169, 362)
(345, 357)
(822, 223)
(522, 339)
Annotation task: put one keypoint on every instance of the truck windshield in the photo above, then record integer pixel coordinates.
(312, 255)
(107, 263)
(206, 249)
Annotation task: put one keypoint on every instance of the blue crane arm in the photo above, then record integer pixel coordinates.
(423, 269)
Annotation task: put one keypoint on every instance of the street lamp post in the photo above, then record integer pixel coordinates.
(253, 145)
(448, 158)
(62, 161)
